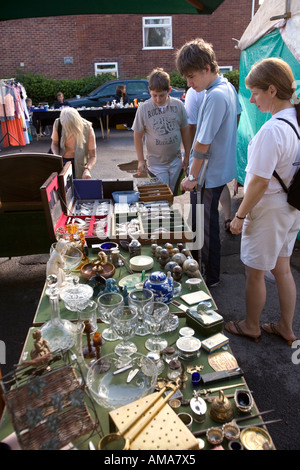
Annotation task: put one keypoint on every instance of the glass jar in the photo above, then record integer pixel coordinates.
(174, 369)
(134, 248)
(170, 354)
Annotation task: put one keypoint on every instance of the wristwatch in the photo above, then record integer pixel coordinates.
(192, 178)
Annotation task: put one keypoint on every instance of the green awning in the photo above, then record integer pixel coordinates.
(37, 8)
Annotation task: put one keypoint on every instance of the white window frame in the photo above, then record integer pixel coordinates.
(226, 68)
(148, 26)
(106, 70)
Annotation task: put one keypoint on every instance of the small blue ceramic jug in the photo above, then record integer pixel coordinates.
(161, 286)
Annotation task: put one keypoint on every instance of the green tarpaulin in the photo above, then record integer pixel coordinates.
(37, 8)
(270, 45)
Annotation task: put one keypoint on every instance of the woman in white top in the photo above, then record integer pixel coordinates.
(269, 225)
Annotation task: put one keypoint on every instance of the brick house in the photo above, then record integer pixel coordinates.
(129, 45)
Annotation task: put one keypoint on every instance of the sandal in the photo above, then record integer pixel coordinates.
(234, 328)
(272, 329)
(227, 225)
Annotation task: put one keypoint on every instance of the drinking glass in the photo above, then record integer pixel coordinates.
(106, 304)
(125, 321)
(156, 317)
(139, 298)
(72, 257)
(89, 314)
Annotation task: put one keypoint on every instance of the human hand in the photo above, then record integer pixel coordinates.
(236, 226)
(86, 174)
(187, 185)
(142, 167)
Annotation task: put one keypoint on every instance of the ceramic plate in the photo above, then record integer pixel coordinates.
(132, 281)
(141, 263)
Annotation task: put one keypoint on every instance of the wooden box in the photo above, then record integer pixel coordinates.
(58, 213)
(155, 192)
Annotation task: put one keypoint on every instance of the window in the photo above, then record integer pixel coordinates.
(137, 88)
(225, 68)
(107, 67)
(157, 32)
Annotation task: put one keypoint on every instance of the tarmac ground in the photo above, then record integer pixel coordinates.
(271, 368)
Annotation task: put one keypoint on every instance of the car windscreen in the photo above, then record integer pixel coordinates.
(133, 88)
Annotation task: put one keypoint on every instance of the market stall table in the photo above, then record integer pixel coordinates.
(109, 421)
(47, 117)
(118, 116)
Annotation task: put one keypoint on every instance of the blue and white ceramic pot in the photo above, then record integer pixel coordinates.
(161, 286)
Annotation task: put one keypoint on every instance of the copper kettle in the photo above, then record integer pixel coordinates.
(221, 409)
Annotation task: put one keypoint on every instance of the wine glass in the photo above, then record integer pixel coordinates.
(139, 298)
(88, 313)
(108, 302)
(72, 257)
(125, 322)
(156, 318)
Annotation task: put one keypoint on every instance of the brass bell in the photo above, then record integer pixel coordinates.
(221, 409)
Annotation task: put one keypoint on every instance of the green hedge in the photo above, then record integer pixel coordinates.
(43, 89)
(178, 81)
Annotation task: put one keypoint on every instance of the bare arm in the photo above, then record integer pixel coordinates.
(90, 164)
(187, 143)
(195, 168)
(55, 147)
(254, 193)
(139, 148)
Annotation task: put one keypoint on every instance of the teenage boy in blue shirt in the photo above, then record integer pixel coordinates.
(215, 141)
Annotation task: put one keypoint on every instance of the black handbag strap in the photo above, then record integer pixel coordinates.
(275, 174)
(59, 130)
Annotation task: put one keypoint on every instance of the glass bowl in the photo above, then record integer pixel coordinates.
(76, 296)
(110, 389)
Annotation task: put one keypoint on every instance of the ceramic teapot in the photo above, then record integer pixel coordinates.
(161, 286)
(221, 409)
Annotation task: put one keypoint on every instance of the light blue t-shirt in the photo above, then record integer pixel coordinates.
(217, 126)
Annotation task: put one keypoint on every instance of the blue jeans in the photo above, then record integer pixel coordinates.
(211, 251)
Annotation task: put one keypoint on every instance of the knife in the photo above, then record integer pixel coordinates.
(131, 375)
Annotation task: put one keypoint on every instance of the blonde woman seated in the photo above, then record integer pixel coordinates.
(77, 142)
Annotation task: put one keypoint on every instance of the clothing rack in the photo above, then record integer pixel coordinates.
(3, 83)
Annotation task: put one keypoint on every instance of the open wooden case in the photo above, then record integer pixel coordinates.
(93, 215)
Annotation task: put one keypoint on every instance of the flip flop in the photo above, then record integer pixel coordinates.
(237, 330)
(272, 329)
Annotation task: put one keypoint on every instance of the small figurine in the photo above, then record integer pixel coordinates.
(111, 286)
(125, 295)
(41, 346)
(40, 354)
(56, 262)
(98, 264)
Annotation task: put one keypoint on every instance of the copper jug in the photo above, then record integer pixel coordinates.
(221, 409)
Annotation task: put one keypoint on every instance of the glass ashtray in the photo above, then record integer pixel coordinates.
(110, 383)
